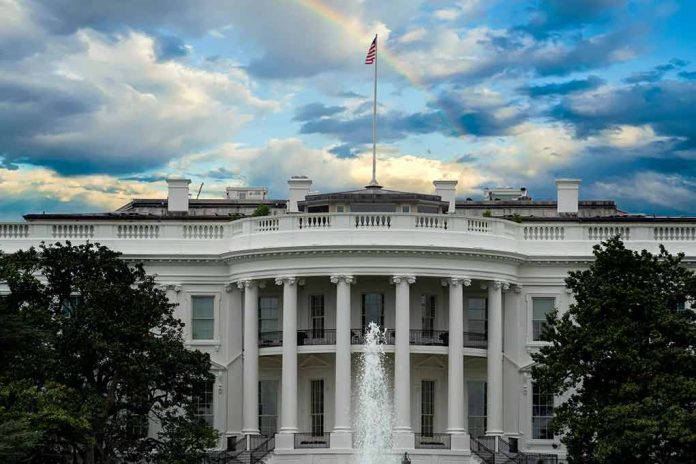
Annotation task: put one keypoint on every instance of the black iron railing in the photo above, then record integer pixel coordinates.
(433, 441)
(475, 340)
(484, 452)
(270, 339)
(237, 443)
(316, 337)
(429, 337)
(534, 458)
(357, 336)
(311, 440)
(263, 448)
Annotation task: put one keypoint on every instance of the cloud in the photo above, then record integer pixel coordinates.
(279, 159)
(41, 189)
(316, 111)
(672, 194)
(563, 88)
(657, 73)
(554, 15)
(669, 107)
(95, 103)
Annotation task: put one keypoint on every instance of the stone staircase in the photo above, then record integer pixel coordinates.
(497, 450)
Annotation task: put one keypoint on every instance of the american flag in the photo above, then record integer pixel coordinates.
(372, 52)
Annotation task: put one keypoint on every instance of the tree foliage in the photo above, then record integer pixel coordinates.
(90, 354)
(622, 358)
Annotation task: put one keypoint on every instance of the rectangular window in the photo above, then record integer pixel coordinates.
(476, 390)
(268, 314)
(540, 308)
(372, 309)
(405, 209)
(268, 407)
(477, 315)
(317, 407)
(203, 317)
(203, 402)
(427, 407)
(428, 307)
(340, 208)
(316, 315)
(542, 412)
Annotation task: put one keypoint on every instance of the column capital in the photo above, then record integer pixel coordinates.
(498, 284)
(349, 279)
(246, 284)
(174, 287)
(518, 288)
(230, 286)
(397, 279)
(289, 280)
(455, 281)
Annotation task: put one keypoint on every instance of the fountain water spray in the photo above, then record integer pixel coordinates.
(374, 418)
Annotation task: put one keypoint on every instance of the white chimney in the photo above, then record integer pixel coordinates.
(447, 189)
(298, 189)
(568, 190)
(178, 196)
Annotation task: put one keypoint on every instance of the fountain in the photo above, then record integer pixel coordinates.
(374, 419)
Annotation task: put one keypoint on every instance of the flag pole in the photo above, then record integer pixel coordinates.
(373, 182)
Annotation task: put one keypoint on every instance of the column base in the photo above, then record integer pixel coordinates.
(341, 439)
(404, 440)
(285, 440)
(460, 441)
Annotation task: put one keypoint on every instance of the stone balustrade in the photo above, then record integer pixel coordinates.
(529, 238)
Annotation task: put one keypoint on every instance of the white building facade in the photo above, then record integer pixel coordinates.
(280, 303)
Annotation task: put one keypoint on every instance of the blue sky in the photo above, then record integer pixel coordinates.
(100, 101)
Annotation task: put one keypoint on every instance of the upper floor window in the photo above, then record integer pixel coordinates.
(428, 307)
(203, 317)
(542, 413)
(316, 315)
(340, 209)
(540, 308)
(477, 314)
(268, 314)
(372, 309)
(405, 209)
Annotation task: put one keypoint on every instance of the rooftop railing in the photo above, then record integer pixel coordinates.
(440, 226)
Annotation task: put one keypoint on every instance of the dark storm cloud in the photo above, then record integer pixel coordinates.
(184, 16)
(657, 73)
(554, 15)
(563, 88)
(668, 106)
(315, 111)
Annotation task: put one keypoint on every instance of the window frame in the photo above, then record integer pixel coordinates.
(428, 415)
(534, 394)
(431, 313)
(485, 404)
(209, 417)
(278, 319)
(363, 295)
(321, 416)
(315, 331)
(216, 318)
(485, 314)
(530, 315)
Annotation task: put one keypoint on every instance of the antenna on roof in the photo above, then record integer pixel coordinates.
(199, 190)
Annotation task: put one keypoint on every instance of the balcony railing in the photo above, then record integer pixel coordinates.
(267, 339)
(357, 336)
(311, 440)
(433, 441)
(429, 337)
(475, 340)
(308, 337)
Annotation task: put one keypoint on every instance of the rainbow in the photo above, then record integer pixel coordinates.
(354, 29)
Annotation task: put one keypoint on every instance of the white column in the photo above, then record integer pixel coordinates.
(403, 434)
(494, 386)
(288, 415)
(341, 437)
(250, 413)
(455, 372)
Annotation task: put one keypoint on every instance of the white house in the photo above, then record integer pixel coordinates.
(280, 303)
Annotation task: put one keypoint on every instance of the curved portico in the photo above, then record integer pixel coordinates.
(424, 316)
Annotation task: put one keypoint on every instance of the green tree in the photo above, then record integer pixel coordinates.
(261, 210)
(96, 353)
(623, 358)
